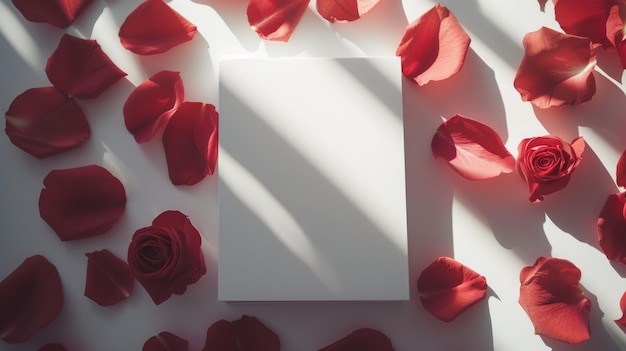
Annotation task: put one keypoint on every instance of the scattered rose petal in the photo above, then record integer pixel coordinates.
(59, 13)
(344, 10)
(447, 288)
(190, 142)
(154, 27)
(165, 341)
(275, 19)
(31, 297)
(44, 122)
(611, 228)
(433, 46)
(245, 334)
(556, 69)
(550, 295)
(109, 279)
(52, 347)
(621, 170)
(166, 256)
(80, 68)
(542, 5)
(152, 103)
(584, 18)
(615, 33)
(81, 202)
(364, 339)
(472, 149)
(622, 305)
(546, 163)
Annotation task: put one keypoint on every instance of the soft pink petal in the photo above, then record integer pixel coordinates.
(275, 19)
(344, 10)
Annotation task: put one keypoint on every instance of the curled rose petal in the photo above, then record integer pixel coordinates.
(31, 297)
(81, 202)
(622, 305)
(245, 334)
(165, 341)
(152, 103)
(344, 10)
(53, 347)
(109, 279)
(154, 27)
(59, 13)
(584, 18)
(447, 288)
(542, 5)
(611, 228)
(433, 46)
(190, 142)
(364, 339)
(621, 170)
(556, 69)
(550, 295)
(275, 19)
(80, 68)
(45, 122)
(472, 149)
(615, 33)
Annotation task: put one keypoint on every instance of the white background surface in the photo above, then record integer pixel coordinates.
(490, 226)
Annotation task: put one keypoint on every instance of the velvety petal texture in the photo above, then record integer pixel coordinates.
(81, 202)
(344, 10)
(52, 347)
(31, 297)
(447, 288)
(275, 19)
(245, 334)
(154, 27)
(152, 103)
(166, 341)
(611, 228)
(584, 18)
(190, 142)
(622, 305)
(109, 279)
(80, 68)
(555, 304)
(59, 13)
(472, 149)
(556, 69)
(621, 171)
(433, 47)
(45, 122)
(365, 339)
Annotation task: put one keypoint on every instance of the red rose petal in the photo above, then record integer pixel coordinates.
(109, 279)
(621, 170)
(52, 347)
(542, 4)
(433, 46)
(154, 27)
(30, 298)
(222, 336)
(615, 33)
(81, 202)
(584, 18)
(550, 295)
(622, 305)
(344, 10)
(80, 68)
(166, 341)
(611, 228)
(447, 288)
(275, 19)
(364, 339)
(190, 142)
(556, 69)
(59, 13)
(245, 334)
(45, 122)
(152, 103)
(472, 149)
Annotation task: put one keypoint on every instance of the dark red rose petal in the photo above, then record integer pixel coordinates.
(80, 68)
(621, 171)
(556, 69)
(53, 347)
(152, 103)
(81, 202)
(190, 142)
(550, 295)
(433, 47)
(344, 10)
(154, 27)
(222, 336)
(59, 13)
(622, 305)
(615, 33)
(109, 279)
(447, 288)
(245, 334)
(472, 149)
(45, 122)
(584, 18)
(30, 298)
(364, 339)
(612, 228)
(166, 341)
(275, 19)
(542, 4)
